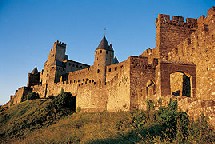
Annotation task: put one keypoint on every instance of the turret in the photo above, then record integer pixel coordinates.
(53, 67)
(170, 32)
(33, 77)
(58, 52)
(115, 60)
(104, 55)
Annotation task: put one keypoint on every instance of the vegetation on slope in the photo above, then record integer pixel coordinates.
(27, 123)
(27, 116)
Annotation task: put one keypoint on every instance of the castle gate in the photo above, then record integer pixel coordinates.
(180, 84)
(178, 79)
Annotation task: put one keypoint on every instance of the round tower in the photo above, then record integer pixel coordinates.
(104, 55)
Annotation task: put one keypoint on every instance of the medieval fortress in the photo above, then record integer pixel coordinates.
(181, 65)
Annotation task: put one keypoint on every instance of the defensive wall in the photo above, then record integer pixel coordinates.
(198, 49)
(181, 66)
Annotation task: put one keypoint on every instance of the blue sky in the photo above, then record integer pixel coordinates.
(28, 29)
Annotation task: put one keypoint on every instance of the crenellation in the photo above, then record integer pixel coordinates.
(179, 20)
(60, 44)
(176, 21)
(162, 18)
(172, 32)
(211, 11)
(199, 52)
(191, 21)
(181, 65)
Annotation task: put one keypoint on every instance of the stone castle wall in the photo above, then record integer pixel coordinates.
(92, 95)
(18, 97)
(198, 48)
(142, 81)
(169, 33)
(167, 68)
(181, 65)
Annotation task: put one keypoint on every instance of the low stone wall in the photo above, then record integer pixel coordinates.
(193, 106)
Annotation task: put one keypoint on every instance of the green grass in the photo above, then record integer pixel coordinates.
(40, 121)
(15, 121)
(78, 128)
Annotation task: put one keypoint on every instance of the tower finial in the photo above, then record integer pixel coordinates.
(105, 31)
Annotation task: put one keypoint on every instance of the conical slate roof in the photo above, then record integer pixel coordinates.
(104, 44)
(115, 60)
(34, 71)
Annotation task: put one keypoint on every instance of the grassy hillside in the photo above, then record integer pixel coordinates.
(52, 121)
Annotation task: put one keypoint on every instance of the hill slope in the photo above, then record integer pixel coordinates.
(52, 121)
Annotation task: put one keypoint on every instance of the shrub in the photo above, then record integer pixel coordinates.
(182, 127)
(64, 100)
(30, 96)
(168, 118)
(200, 131)
(139, 119)
(33, 96)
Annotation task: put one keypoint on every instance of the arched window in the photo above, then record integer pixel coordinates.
(150, 88)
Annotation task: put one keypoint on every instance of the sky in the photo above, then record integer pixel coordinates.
(28, 29)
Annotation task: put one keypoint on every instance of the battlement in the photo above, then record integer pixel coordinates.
(211, 11)
(176, 20)
(149, 51)
(184, 46)
(60, 44)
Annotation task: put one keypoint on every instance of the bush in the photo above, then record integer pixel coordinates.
(30, 96)
(182, 127)
(64, 100)
(200, 131)
(165, 124)
(31, 115)
(33, 96)
(139, 119)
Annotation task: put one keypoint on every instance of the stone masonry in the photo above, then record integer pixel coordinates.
(181, 66)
